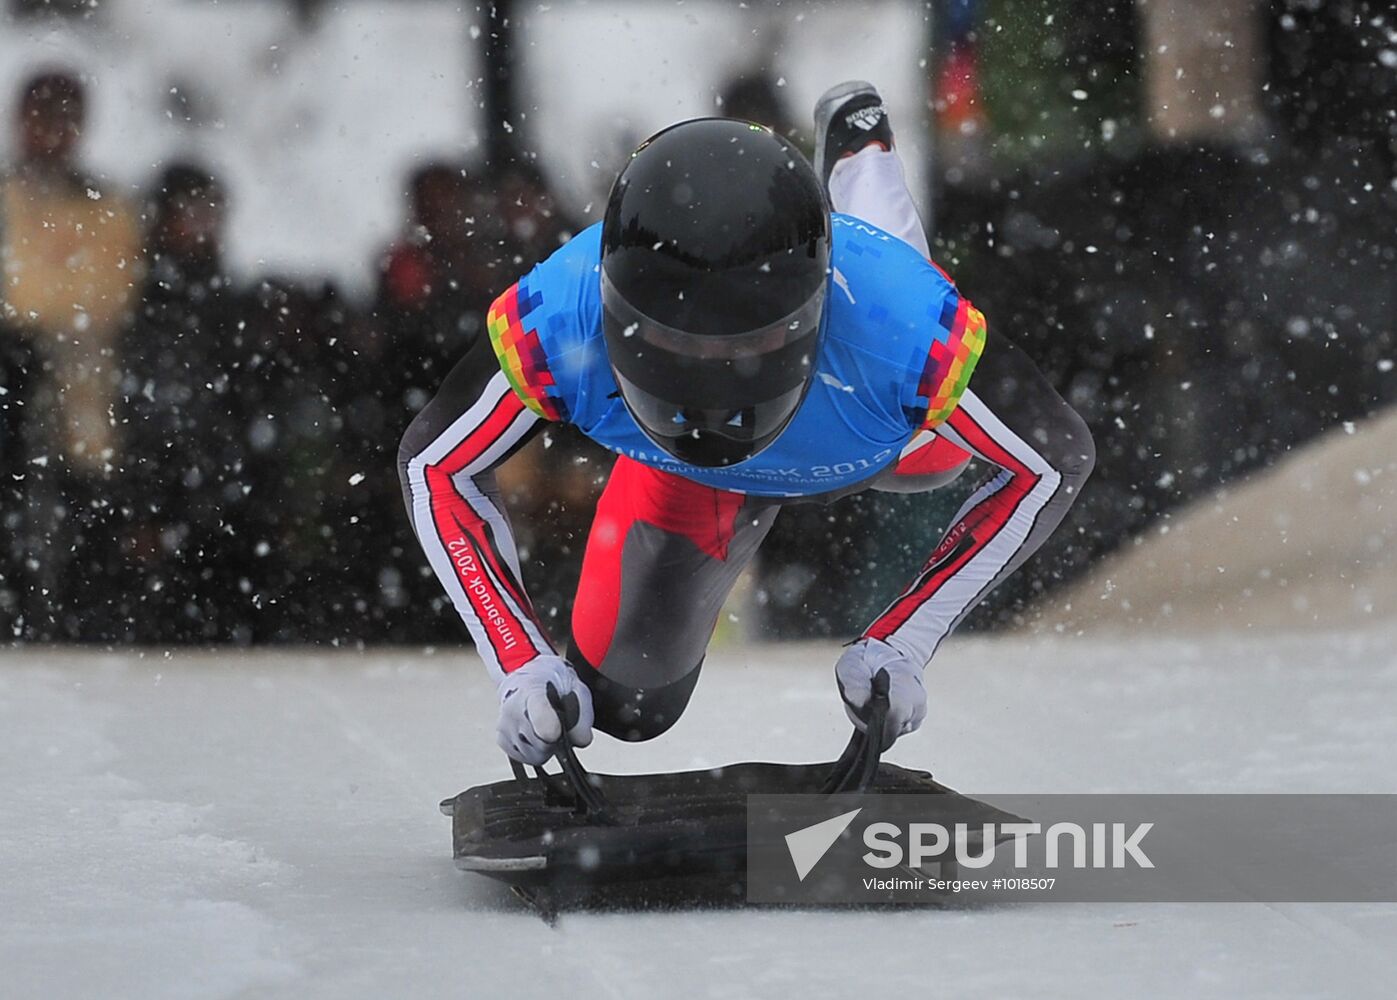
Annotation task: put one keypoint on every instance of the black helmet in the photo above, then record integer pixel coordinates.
(715, 248)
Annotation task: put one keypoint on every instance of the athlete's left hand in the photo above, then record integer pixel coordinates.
(906, 694)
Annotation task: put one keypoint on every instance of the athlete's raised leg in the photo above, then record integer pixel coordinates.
(858, 160)
(1009, 416)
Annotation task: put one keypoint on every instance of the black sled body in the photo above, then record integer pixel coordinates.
(574, 838)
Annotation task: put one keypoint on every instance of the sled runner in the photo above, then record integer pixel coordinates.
(569, 838)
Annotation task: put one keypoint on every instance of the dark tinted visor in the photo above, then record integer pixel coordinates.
(718, 372)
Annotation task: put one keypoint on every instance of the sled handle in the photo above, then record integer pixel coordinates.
(554, 794)
(590, 800)
(577, 790)
(857, 767)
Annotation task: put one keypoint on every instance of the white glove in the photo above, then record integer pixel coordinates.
(529, 725)
(906, 694)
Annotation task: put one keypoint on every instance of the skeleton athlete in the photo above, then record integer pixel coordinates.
(738, 347)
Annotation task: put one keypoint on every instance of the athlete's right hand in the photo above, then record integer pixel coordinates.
(529, 726)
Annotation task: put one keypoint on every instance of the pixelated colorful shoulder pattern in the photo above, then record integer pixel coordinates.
(521, 354)
(955, 350)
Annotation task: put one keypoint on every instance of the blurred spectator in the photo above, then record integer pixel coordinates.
(435, 280)
(956, 97)
(70, 262)
(528, 222)
(435, 284)
(754, 97)
(183, 459)
(291, 358)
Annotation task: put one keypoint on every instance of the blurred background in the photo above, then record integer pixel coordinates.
(241, 242)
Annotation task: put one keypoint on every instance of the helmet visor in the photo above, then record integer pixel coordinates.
(736, 391)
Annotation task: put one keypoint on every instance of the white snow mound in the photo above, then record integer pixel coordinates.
(1309, 543)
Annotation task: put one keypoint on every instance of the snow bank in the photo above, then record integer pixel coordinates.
(1309, 543)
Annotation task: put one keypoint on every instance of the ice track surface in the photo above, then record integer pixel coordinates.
(265, 824)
